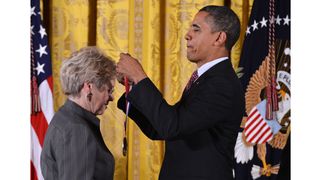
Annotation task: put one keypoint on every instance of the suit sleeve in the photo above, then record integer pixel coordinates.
(75, 153)
(144, 124)
(210, 105)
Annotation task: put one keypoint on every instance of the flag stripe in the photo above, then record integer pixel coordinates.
(253, 111)
(253, 125)
(46, 100)
(268, 137)
(257, 132)
(252, 122)
(40, 125)
(251, 117)
(33, 173)
(50, 83)
(256, 125)
(260, 132)
(35, 153)
(261, 128)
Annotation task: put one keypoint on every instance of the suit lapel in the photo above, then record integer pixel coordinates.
(219, 68)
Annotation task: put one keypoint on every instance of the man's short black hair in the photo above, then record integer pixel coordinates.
(222, 18)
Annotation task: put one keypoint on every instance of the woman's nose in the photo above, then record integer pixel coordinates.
(111, 98)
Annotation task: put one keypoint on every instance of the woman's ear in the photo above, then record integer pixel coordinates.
(87, 90)
(87, 87)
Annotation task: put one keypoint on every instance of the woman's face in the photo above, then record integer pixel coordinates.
(100, 99)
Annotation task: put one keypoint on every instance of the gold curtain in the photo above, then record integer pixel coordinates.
(242, 8)
(150, 30)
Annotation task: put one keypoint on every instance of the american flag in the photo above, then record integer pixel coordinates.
(41, 88)
(257, 129)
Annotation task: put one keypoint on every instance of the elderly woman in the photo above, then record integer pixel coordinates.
(73, 146)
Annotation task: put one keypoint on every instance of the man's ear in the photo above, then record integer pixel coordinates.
(221, 39)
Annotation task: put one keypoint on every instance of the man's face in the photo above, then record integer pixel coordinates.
(200, 39)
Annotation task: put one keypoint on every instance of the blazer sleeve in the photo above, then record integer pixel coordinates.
(144, 124)
(76, 153)
(211, 104)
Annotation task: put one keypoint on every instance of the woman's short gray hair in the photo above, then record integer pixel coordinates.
(87, 65)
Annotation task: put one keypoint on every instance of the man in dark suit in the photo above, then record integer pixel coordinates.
(201, 129)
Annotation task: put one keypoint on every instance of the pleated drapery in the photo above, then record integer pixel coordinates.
(150, 30)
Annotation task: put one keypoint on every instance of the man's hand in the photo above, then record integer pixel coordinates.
(120, 79)
(129, 67)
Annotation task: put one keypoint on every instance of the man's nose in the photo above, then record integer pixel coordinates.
(187, 36)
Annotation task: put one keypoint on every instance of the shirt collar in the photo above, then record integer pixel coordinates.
(208, 65)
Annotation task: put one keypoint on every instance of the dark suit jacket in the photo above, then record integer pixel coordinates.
(200, 130)
(73, 147)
